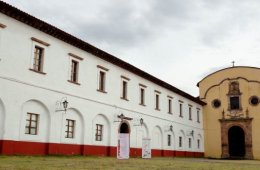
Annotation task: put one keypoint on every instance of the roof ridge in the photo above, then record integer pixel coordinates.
(49, 29)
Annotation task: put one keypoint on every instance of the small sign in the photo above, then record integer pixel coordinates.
(123, 146)
(146, 149)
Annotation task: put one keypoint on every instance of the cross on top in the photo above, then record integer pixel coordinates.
(233, 63)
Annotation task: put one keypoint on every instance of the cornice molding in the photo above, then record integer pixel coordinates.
(227, 79)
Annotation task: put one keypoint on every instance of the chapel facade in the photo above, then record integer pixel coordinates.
(231, 116)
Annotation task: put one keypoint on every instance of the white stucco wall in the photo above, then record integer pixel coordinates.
(86, 105)
(2, 119)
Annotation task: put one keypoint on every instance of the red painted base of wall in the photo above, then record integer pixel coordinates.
(23, 148)
(90, 150)
(64, 149)
(168, 153)
(135, 152)
(8, 147)
(1, 143)
(188, 154)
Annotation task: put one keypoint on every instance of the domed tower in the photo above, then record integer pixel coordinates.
(232, 113)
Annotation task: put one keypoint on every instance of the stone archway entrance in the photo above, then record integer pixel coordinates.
(236, 142)
(236, 138)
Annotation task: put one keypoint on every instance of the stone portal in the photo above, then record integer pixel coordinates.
(236, 138)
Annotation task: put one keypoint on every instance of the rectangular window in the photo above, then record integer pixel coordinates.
(181, 115)
(157, 101)
(180, 141)
(190, 113)
(124, 89)
(234, 103)
(74, 71)
(38, 59)
(170, 106)
(198, 115)
(198, 142)
(32, 124)
(99, 132)
(102, 79)
(142, 96)
(169, 140)
(189, 142)
(70, 127)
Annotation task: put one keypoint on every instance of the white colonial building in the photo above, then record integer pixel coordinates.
(42, 68)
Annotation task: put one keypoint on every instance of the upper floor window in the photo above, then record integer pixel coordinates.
(234, 103)
(169, 104)
(74, 68)
(198, 115)
(99, 132)
(124, 93)
(102, 78)
(38, 59)
(216, 103)
(38, 55)
(142, 96)
(32, 121)
(180, 109)
(157, 100)
(254, 100)
(124, 89)
(70, 127)
(190, 113)
(74, 71)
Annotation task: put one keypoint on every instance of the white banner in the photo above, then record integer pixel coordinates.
(123, 147)
(146, 149)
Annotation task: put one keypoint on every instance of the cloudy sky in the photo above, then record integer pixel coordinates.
(178, 41)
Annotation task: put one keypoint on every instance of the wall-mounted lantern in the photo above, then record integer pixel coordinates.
(62, 105)
(65, 104)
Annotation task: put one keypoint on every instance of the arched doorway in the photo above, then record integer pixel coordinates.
(236, 141)
(124, 128)
(123, 148)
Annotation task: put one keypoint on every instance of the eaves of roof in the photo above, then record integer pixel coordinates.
(74, 41)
